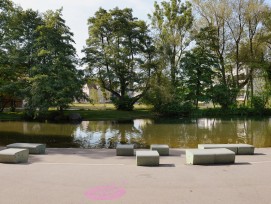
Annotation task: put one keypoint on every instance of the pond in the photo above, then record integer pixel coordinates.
(181, 133)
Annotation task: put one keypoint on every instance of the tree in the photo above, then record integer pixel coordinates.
(171, 23)
(7, 10)
(17, 29)
(237, 25)
(119, 53)
(54, 80)
(198, 74)
(213, 15)
(265, 38)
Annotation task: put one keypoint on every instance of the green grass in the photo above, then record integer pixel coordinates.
(11, 116)
(106, 106)
(108, 112)
(94, 112)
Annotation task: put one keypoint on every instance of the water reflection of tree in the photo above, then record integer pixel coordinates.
(106, 134)
(52, 134)
(190, 133)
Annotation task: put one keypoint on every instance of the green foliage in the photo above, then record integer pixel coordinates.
(171, 22)
(54, 80)
(198, 74)
(224, 96)
(13, 52)
(124, 103)
(176, 108)
(119, 53)
(258, 103)
(37, 60)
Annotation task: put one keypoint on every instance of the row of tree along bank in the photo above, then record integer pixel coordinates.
(199, 51)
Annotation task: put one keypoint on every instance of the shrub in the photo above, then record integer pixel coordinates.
(258, 103)
(124, 103)
(176, 108)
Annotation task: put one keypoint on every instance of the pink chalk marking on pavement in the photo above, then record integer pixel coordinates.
(110, 192)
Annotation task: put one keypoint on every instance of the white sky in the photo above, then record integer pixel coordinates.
(76, 12)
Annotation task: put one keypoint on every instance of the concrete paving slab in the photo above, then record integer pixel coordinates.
(72, 176)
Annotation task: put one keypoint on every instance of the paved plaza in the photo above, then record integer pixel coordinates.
(80, 176)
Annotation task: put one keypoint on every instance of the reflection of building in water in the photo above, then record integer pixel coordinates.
(207, 123)
(242, 135)
(84, 125)
(141, 123)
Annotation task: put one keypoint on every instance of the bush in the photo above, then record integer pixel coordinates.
(258, 103)
(176, 108)
(124, 103)
(224, 96)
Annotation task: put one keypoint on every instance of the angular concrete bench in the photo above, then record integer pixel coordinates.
(125, 150)
(13, 155)
(240, 149)
(163, 150)
(147, 158)
(210, 156)
(32, 147)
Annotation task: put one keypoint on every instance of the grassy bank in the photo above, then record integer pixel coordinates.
(93, 112)
(232, 112)
(108, 112)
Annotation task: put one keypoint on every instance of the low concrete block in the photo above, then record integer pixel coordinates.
(245, 149)
(14, 155)
(215, 146)
(147, 158)
(32, 147)
(237, 148)
(125, 150)
(210, 156)
(162, 149)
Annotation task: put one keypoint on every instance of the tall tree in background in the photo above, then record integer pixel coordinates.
(17, 39)
(200, 67)
(171, 23)
(213, 15)
(255, 17)
(119, 53)
(7, 72)
(237, 24)
(266, 39)
(54, 79)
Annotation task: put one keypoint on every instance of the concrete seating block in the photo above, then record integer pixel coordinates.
(210, 156)
(125, 150)
(147, 158)
(245, 149)
(32, 147)
(237, 148)
(14, 155)
(162, 149)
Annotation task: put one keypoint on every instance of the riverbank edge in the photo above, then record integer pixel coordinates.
(105, 115)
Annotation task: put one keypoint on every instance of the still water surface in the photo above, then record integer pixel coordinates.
(142, 132)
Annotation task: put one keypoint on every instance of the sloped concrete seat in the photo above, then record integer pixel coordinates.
(210, 156)
(32, 147)
(125, 150)
(241, 149)
(14, 155)
(162, 149)
(147, 158)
